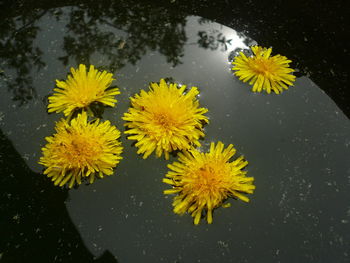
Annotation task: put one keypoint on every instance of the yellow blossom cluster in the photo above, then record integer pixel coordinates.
(165, 119)
(81, 149)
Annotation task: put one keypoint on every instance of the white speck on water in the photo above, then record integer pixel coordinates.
(282, 198)
(140, 204)
(16, 217)
(222, 244)
(41, 126)
(2, 115)
(26, 156)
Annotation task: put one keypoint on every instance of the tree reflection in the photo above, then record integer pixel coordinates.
(123, 31)
(19, 54)
(212, 39)
(92, 29)
(118, 32)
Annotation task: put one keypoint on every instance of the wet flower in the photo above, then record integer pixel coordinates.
(165, 119)
(81, 89)
(263, 71)
(81, 149)
(203, 181)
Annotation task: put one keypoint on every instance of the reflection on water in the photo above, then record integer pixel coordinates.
(295, 144)
(123, 33)
(214, 38)
(19, 55)
(109, 36)
(314, 42)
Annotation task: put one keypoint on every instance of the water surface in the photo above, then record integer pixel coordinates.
(297, 145)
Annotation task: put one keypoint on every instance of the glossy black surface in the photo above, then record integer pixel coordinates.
(297, 143)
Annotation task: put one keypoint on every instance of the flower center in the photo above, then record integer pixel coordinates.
(81, 150)
(262, 66)
(84, 100)
(165, 120)
(209, 179)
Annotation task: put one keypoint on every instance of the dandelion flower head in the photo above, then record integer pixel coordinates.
(165, 119)
(263, 71)
(81, 149)
(203, 181)
(81, 89)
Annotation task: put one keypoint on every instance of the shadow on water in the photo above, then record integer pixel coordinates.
(36, 226)
(315, 43)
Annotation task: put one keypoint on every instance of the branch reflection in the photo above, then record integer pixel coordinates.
(116, 32)
(19, 54)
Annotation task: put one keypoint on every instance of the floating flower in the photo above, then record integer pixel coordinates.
(165, 119)
(81, 89)
(81, 149)
(263, 71)
(203, 181)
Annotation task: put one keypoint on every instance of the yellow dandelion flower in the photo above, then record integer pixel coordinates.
(263, 71)
(81, 89)
(81, 149)
(203, 181)
(165, 119)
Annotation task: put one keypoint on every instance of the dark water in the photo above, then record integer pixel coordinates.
(297, 143)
